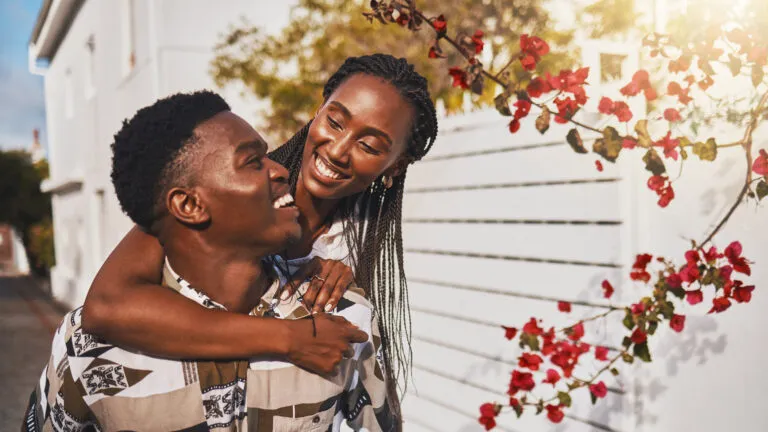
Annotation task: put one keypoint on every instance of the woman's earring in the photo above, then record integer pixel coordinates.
(387, 181)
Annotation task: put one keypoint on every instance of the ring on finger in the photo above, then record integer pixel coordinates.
(318, 277)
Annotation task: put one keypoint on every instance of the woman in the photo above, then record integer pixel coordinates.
(348, 169)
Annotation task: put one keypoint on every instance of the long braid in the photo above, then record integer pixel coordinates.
(375, 242)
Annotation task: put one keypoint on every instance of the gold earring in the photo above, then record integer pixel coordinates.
(387, 180)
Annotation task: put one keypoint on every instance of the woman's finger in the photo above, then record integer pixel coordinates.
(341, 287)
(335, 273)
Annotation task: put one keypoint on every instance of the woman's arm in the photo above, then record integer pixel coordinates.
(127, 306)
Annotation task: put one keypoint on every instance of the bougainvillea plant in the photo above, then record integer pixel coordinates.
(549, 356)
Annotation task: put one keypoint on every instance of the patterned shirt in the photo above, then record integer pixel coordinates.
(90, 384)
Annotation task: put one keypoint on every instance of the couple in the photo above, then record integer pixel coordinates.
(196, 178)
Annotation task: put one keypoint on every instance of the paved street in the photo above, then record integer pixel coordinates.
(27, 321)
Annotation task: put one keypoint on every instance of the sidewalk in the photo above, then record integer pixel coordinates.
(27, 322)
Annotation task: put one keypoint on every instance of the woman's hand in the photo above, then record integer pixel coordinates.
(329, 280)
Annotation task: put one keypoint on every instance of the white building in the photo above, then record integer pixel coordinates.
(525, 222)
(103, 60)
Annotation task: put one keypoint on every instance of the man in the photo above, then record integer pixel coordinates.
(195, 175)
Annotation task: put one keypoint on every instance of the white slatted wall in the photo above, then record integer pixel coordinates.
(497, 229)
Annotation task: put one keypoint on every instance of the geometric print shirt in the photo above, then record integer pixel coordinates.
(89, 384)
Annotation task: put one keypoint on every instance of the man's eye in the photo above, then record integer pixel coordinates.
(257, 162)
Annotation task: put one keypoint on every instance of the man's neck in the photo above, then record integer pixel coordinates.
(234, 279)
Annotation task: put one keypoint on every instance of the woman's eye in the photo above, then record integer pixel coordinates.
(334, 123)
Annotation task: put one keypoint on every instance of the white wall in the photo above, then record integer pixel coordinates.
(173, 42)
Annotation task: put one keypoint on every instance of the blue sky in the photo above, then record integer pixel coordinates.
(22, 106)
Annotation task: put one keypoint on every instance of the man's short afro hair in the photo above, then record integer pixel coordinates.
(151, 152)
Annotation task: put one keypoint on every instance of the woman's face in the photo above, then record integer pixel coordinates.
(359, 133)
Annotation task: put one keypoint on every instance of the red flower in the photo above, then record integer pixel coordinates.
(692, 256)
(694, 297)
(478, 41)
(674, 280)
(607, 289)
(674, 89)
(739, 263)
(706, 82)
(656, 182)
(523, 108)
(531, 327)
(672, 115)
(638, 308)
(538, 87)
(563, 306)
(532, 48)
(677, 322)
(509, 332)
(669, 144)
(577, 331)
(514, 125)
(760, 166)
(434, 52)
(554, 413)
(601, 353)
(439, 24)
(622, 111)
(719, 304)
(640, 275)
(521, 381)
(459, 77)
(599, 389)
(666, 195)
(628, 143)
(642, 261)
(552, 377)
(725, 272)
(743, 294)
(530, 361)
(690, 273)
(638, 336)
(488, 413)
(599, 165)
(606, 106)
(640, 82)
(566, 109)
(711, 255)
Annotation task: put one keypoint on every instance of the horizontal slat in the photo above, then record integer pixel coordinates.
(552, 280)
(539, 164)
(587, 243)
(587, 202)
(487, 130)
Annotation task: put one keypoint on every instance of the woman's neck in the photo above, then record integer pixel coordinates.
(314, 218)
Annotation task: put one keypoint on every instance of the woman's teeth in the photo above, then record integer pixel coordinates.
(283, 201)
(325, 170)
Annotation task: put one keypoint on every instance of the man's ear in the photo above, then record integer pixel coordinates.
(186, 206)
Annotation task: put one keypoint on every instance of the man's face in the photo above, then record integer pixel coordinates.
(245, 194)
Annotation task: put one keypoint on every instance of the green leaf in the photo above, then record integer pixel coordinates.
(652, 326)
(564, 398)
(529, 340)
(706, 151)
(643, 137)
(762, 189)
(677, 292)
(614, 372)
(539, 407)
(653, 162)
(626, 342)
(667, 309)
(734, 64)
(757, 74)
(574, 140)
(518, 410)
(627, 358)
(502, 104)
(574, 385)
(609, 146)
(593, 398)
(542, 121)
(641, 352)
(629, 320)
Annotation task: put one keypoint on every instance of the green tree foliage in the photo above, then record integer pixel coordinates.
(290, 68)
(25, 207)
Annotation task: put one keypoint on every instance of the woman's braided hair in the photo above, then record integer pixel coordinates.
(376, 243)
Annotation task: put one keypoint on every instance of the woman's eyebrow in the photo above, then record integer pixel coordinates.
(370, 129)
